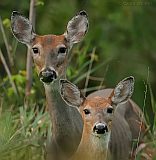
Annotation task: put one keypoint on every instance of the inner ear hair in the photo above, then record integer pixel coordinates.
(77, 27)
(22, 28)
(110, 97)
(70, 93)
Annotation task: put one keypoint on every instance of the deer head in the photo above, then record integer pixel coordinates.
(97, 112)
(49, 52)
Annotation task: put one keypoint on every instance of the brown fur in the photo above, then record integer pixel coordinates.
(91, 146)
(48, 52)
(66, 121)
(125, 126)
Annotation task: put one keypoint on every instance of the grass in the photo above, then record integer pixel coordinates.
(23, 133)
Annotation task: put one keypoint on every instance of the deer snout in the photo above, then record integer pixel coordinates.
(47, 75)
(100, 128)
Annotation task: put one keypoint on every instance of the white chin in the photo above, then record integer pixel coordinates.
(104, 135)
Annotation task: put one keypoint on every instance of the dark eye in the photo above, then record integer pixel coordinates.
(109, 110)
(86, 111)
(35, 50)
(62, 50)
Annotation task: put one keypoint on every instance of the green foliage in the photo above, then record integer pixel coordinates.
(6, 22)
(39, 2)
(153, 105)
(23, 133)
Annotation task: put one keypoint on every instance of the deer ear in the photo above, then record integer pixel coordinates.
(123, 91)
(22, 28)
(77, 27)
(71, 94)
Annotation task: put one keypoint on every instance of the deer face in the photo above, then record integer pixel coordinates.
(50, 56)
(50, 52)
(97, 112)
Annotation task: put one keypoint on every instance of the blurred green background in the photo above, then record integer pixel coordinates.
(121, 41)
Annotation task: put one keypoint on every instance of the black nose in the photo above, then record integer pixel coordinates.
(100, 128)
(47, 75)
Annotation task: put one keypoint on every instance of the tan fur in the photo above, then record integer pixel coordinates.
(48, 44)
(47, 55)
(129, 121)
(94, 146)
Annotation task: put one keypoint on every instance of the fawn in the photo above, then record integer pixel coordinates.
(99, 115)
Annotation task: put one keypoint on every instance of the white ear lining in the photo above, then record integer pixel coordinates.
(123, 91)
(77, 27)
(22, 29)
(70, 93)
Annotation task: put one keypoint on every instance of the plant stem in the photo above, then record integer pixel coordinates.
(8, 72)
(89, 70)
(11, 62)
(29, 57)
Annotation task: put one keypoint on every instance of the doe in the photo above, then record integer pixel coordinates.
(97, 114)
(50, 55)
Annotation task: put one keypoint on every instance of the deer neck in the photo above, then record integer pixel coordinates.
(56, 104)
(66, 121)
(93, 147)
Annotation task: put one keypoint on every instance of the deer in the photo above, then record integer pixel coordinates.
(98, 114)
(50, 55)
